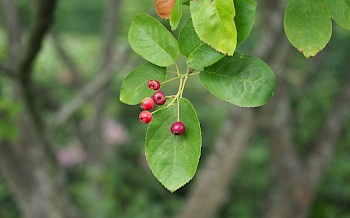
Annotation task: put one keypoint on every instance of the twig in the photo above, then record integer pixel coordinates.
(111, 22)
(86, 93)
(42, 22)
(110, 30)
(66, 59)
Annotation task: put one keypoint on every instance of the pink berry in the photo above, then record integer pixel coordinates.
(145, 117)
(159, 98)
(153, 84)
(147, 103)
(178, 128)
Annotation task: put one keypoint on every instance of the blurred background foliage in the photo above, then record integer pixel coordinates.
(128, 187)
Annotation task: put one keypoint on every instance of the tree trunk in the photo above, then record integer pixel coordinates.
(209, 189)
(38, 184)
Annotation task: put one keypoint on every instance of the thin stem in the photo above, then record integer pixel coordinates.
(178, 110)
(174, 99)
(177, 70)
(178, 96)
(170, 80)
(183, 86)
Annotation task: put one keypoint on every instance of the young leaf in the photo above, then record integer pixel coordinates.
(199, 54)
(214, 24)
(340, 12)
(241, 80)
(308, 25)
(175, 17)
(150, 39)
(164, 8)
(244, 19)
(134, 88)
(173, 159)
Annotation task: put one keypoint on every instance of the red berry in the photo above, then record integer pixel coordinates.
(178, 128)
(145, 116)
(153, 84)
(159, 98)
(147, 103)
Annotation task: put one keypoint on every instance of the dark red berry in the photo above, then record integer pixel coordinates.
(153, 84)
(147, 103)
(159, 98)
(145, 116)
(178, 128)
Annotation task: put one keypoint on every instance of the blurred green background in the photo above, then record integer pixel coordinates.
(126, 187)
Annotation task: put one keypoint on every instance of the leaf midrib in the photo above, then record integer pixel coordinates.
(151, 39)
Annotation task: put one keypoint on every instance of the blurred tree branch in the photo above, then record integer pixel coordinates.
(111, 23)
(103, 75)
(329, 135)
(87, 92)
(210, 187)
(286, 162)
(16, 175)
(67, 59)
(13, 26)
(42, 21)
(297, 180)
(37, 181)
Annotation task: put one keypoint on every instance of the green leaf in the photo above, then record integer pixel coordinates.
(244, 19)
(340, 12)
(214, 24)
(134, 88)
(199, 54)
(176, 14)
(188, 39)
(174, 159)
(150, 39)
(308, 25)
(203, 56)
(241, 80)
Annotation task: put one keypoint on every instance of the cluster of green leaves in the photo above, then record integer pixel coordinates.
(208, 40)
(308, 23)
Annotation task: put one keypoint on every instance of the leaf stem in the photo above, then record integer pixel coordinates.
(177, 70)
(183, 79)
(178, 110)
(176, 97)
(183, 85)
(169, 80)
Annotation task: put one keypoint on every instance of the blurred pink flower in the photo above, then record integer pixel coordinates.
(71, 156)
(114, 133)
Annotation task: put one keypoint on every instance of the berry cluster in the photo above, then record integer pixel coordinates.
(178, 128)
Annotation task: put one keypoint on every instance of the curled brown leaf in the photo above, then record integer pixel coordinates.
(164, 8)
